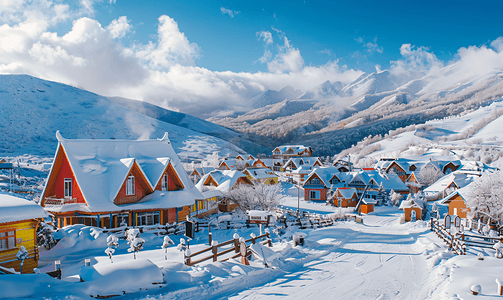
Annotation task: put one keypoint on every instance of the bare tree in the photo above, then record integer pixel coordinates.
(259, 196)
(212, 160)
(429, 174)
(486, 197)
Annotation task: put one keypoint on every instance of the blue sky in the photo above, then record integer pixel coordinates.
(210, 57)
(321, 30)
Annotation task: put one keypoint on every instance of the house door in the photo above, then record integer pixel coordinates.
(455, 211)
(413, 215)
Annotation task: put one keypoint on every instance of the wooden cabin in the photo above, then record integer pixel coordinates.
(411, 210)
(19, 219)
(457, 204)
(108, 182)
(345, 197)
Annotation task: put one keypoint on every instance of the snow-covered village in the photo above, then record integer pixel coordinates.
(263, 150)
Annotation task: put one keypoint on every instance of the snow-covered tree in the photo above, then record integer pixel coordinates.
(394, 198)
(429, 174)
(135, 241)
(112, 243)
(22, 254)
(258, 196)
(45, 237)
(485, 199)
(212, 160)
(166, 243)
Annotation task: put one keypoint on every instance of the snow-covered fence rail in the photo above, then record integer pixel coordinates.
(175, 228)
(289, 217)
(455, 242)
(212, 252)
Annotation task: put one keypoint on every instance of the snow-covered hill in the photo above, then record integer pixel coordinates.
(32, 110)
(334, 117)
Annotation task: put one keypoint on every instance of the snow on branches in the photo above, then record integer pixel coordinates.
(258, 196)
(134, 240)
(485, 199)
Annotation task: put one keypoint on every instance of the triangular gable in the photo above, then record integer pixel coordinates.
(451, 197)
(250, 157)
(314, 175)
(195, 172)
(173, 179)
(136, 171)
(210, 181)
(223, 163)
(412, 178)
(240, 157)
(61, 161)
(394, 163)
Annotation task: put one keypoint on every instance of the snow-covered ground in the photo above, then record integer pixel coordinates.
(379, 259)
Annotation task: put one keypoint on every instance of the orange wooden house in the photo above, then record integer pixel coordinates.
(411, 210)
(19, 219)
(456, 203)
(107, 183)
(345, 197)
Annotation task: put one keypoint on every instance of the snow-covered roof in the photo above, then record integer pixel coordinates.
(100, 167)
(225, 179)
(408, 204)
(459, 178)
(325, 174)
(301, 161)
(296, 148)
(369, 201)
(203, 170)
(463, 192)
(304, 169)
(17, 209)
(346, 192)
(269, 162)
(258, 173)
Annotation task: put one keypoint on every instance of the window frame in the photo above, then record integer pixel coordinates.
(130, 186)
(8, 238)
(164, 182)
(68, 188)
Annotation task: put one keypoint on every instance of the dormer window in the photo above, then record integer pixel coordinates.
(314, 181)
(68, 188)
(130, 186)
(334, 180)
(164, 183)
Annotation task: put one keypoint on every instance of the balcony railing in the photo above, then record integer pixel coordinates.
(52, 200)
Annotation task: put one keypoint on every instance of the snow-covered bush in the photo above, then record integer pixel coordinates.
(429, 174)
(166, 243)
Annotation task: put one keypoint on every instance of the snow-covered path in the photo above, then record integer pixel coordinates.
(378, 260)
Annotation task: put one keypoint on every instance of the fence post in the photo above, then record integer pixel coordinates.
(214, 249)
(268, 239)
(209, 234)
(253, 237)
(187, 257)
(236, 242)
(431, 224)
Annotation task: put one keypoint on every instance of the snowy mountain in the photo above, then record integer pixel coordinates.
(32, 110)
(332, 117)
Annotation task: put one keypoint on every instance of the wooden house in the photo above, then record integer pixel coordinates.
(414, 183)
(400, 168)
(367, 205)
(197, 173)
(108, 182)
(411, 210)
(296, 162)
(288, 151)
(456, 203)
(221, 181)
(19, 219)
(263, 175)
(319, 181)
(345, 197)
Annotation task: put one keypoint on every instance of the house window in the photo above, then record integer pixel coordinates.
(301, 162)
(334, 181)
(314, 194)
(7, 240)
(164, 184)
(314, 181)
(130, 186)
(148, 218)
(68, 188)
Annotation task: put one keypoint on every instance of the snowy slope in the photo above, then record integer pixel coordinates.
(32, 110)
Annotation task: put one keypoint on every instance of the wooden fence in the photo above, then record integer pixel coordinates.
(460, 240)
(211, 253)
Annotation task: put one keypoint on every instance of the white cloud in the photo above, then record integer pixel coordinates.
(328, 52)
(416, 59)
(118, 28)
(230, 12)
(371, 47)
(172, 47)
(266, 36)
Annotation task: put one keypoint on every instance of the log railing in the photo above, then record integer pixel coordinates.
(212, 252)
